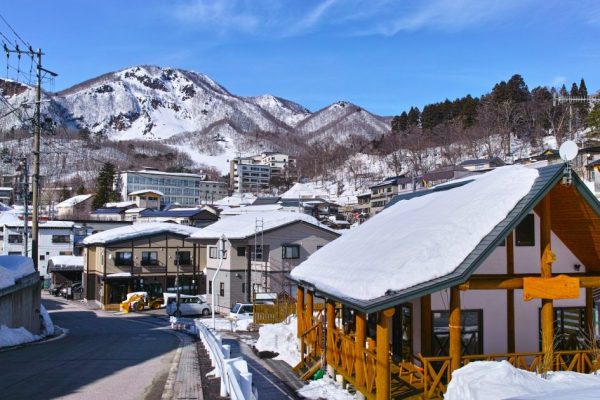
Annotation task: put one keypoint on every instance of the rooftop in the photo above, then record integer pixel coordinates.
(138, 230)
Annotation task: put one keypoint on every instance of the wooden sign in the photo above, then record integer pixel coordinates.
(560, 287)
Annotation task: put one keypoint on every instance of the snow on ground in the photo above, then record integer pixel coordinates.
(492, 380)
(280, 338)
(227, 324)
(466, 214)
(325, 388)
(46, 321)
(15, 336)
(13, 268)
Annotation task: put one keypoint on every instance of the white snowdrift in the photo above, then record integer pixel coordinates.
(417, 240)
(280, 338)
(325, 388)
(492, 380)
(15, 336)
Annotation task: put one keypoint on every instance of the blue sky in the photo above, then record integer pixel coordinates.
(383, 55)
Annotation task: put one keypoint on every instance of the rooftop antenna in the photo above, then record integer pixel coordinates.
(568, 151)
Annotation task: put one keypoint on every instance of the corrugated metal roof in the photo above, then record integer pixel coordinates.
(548, 177)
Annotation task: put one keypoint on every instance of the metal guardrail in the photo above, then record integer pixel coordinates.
(236, 381)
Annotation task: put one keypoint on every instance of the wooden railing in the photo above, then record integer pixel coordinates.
(436, 370)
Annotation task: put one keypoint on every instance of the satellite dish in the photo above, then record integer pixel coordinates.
(568, 150)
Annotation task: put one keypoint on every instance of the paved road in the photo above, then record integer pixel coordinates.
(103, 356)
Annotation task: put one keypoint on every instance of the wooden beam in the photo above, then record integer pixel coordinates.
(382, 372)
(309, 305)
(361, 334)
(516, 282)
(330, 308)
(510, 296)
(300, 310)
(454, 329)
(547, 312)
(426, 330)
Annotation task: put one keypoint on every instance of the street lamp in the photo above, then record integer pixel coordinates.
(221, 249)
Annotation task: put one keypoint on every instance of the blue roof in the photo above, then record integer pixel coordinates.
(110, 210)
(173, 213)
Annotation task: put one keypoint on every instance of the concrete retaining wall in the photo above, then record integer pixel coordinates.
(20, 304)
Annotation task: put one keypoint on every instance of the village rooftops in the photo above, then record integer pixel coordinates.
(73, 201)
(43, 225)
(244, 225)
(144, 191)
(136, 231)
(437, 240)
(173, 174)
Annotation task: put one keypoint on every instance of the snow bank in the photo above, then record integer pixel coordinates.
(15, 336)
(46, 321)
(500, 380)
(280, 338)
(227, 324)
(325, 388)
(13, 268)
(416, 240)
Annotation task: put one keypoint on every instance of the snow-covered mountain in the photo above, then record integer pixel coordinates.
(158, 103)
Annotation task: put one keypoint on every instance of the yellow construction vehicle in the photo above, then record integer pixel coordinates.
(138, 301)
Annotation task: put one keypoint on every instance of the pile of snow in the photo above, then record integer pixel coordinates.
(500, 380)
(227, 324)
(13, 268)
(325, 388)
(138, 230)
(307, 190)
(280, 338)
(393, 242)
(46, 321)
(15, 336)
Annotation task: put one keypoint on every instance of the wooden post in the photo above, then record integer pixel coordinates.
(454, 329)
(308, 321)
(330, 328)
(510, 296)
(382, 373)
(589, 311)
(361, 333)
(547, 313)
(426, 330)
(300, 320)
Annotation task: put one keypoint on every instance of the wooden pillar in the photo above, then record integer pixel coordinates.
(510, 296)
(330, 328)
(589, 311)
(361, 334)
(299, 309)
(426, 330)
(382, 372)
(308, 319)
(454, 329)
(547, 313)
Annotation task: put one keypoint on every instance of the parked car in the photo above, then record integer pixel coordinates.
(68, 292)
(242, 311)
(188, 305)
(55, 289)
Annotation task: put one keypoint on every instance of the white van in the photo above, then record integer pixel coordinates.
(188, 305)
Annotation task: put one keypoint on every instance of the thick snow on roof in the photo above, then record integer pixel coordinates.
(250, 209)
(416, 240)
(67, 260)
(120, 204)
(305, 191)
(73, 201)
(9, 217)
(138, 230)
(244, 225)
(46, 224)
(13, 268)
(236, 200)
(157, 192)
(500, 380)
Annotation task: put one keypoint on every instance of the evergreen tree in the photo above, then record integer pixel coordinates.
(64, 193)
(80, 190)
(582, 89)
(400, 123)
(414, 116)
(593, 119)
(104, 186)
(563, 90)
(574, 90)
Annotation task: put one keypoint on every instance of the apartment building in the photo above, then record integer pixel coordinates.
(254, 173)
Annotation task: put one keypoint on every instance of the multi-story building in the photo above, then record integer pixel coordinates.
(182, 188)
(254, 173)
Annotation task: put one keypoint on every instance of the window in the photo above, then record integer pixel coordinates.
(15, 239)
(257, 253)
(123, 258)
(184, 258)
(210, 287)
(471, 322)
(149, 258)
(290, 251)
(65, 253)
(14, 253)
(61, 239)
(213, 252)
(42, 257)
(570, 328)
(222, 289)
(525, 232)
(243, 287)
(241, 251)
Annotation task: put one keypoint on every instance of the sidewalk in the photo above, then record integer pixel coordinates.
(184, 380)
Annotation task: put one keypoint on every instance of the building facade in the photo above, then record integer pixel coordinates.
(254, 173)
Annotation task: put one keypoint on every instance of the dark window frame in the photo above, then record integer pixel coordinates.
(64, 239)
(525, 232)
(183, 257)
(148, 260)
(442, 348)
(122, 261)
(222, 289)
(241, 251)
(294, 255)
(15, 239)
(213, 252)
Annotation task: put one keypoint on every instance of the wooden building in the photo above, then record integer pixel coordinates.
(145, 256)
(500, 267)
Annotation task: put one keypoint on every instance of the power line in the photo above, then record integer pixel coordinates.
(14, 32)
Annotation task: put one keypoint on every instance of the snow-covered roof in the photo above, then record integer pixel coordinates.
(135, 210)
(138, 230)
(156, 192)
(43, 225)
(67, 260)
(13, 268)
(73, 201)
(305, 191)
(416, 240)
(119, 204)
(174, 174)
(249, 209)
(236, 200)
(244, 225)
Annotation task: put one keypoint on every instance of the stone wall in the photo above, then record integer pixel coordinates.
(20, 304)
